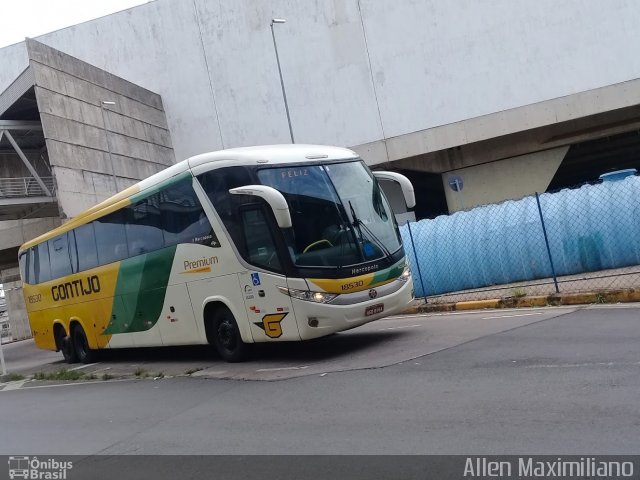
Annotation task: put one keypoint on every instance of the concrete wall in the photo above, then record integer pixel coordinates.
(16, 232)
(92, 150)
(355, 71)
(505, 179)
(18, 318)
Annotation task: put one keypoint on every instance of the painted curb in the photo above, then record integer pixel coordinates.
(584, 298)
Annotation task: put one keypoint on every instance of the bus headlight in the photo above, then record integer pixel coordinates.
(307, 295)
(405, 275)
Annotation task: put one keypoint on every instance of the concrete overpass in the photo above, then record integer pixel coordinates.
(71, 135)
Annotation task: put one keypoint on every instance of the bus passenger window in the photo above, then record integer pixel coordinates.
(29, 268)
(143, 227)
(41, 270)
(183, 219)
(217, 185)
(86, 247)
(59, 256)
(22, 261)
(111, 239)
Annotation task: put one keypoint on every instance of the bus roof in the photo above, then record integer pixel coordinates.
(274, 153)
(268, 154)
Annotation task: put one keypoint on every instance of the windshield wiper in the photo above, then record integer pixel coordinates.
(359, 225)
(356, 222)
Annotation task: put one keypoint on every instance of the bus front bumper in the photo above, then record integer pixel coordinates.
(318, 320)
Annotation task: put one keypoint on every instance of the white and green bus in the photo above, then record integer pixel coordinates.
(246, 245)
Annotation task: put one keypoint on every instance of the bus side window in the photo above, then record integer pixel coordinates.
(23, 261)
(111, 239)
(217, 185)
(183, 219)
(41, 269)
(29, 272)
(86, 247)
(59, 256)
(143, 227)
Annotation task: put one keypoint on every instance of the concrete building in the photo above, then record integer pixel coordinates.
(502, 98)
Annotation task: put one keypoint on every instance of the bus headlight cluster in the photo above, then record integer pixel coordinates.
(307, 295)
(405, 275)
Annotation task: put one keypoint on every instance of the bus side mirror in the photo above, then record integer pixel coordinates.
(404, 182)
(273, 197)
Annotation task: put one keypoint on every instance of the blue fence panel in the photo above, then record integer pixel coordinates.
(591, 228)
(594, 227)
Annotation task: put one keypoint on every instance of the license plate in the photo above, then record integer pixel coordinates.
(373, 309)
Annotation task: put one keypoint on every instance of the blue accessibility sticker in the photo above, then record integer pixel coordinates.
(255, 278)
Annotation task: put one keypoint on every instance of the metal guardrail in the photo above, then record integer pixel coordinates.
(25, 187)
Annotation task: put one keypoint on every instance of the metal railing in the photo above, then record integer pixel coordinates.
(25, 187)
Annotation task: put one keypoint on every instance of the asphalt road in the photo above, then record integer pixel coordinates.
(378, 344)
(552, 381)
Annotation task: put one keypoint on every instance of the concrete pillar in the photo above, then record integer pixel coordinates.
(18, 319)
(494, 182)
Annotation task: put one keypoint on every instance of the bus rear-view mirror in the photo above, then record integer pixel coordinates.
(404, 182)
(273, 197)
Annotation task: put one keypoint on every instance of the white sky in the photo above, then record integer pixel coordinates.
(30, 18)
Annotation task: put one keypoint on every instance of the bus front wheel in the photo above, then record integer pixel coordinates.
(226, 336)
(81, 346)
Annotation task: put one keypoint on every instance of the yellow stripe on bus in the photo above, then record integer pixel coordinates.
(85, 297)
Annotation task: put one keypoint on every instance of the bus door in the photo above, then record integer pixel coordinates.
(270, 311)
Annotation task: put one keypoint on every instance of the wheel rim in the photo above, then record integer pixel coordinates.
(227, 335)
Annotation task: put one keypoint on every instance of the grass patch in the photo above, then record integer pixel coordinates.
(12, 377)
(63, 374)
(193, 370)
(141, 372)
(601, 298)
(106, 376)
(91, 376)
(518, 292)
(159, 375)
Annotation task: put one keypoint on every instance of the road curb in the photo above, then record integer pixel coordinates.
(584, 298)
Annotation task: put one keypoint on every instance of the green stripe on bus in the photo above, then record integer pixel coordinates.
(140, 291)
(391, 273)
(147, 192)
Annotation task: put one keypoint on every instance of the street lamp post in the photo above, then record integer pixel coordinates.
(103, 103)
(284, 94)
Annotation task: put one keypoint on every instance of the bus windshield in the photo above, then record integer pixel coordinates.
(340, 216)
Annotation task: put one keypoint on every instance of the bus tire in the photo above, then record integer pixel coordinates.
(226, 336)
(65, 345)
(81, 345)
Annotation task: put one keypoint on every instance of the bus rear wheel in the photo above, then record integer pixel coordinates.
(226, 337)
(65, 345)
(81, 346)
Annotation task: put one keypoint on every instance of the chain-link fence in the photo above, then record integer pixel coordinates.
(573, 240)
